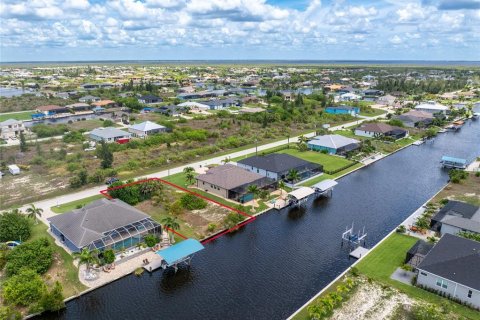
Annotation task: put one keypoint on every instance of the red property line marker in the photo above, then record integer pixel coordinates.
(249, 217)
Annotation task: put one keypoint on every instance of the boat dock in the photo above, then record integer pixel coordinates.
(175, 255)
(359, 252)
(325, 187)
(418, 142)
(453, 163)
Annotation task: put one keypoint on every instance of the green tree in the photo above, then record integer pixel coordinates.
(151, 240)
(9, 313)
(281, 186)
(33, 212)
(36, 255)
(105, 154)
(86, 257)
(14, 226)
(253, 189)
(53, 300)
(293, 175)
(171, 224)
(189, 174)
(23, 143)
(109, 256)
(24, 289)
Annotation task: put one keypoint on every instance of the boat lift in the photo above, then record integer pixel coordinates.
(325, 187)
(299, 197)
(453, 163)
(177, 254)
(355, 241)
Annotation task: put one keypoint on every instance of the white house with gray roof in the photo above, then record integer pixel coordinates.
(109, 134)
(333, 144)
(103, 224)
(145, 129)
(452, 268)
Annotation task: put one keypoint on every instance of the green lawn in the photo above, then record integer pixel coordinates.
(73, 205)
(387, 257)
(17, 116)
(329, 162)
(375, 112)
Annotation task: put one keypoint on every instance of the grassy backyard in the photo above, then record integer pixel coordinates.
(65, 207)
(329, 162)
(379, 265)
(17, 116)
(372, 112)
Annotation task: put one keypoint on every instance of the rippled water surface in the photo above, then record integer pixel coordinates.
(272, 266)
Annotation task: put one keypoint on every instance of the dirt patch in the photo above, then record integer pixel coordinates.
(467, 190)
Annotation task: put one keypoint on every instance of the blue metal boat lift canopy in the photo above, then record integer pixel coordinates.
(451, 162)
(181, 252)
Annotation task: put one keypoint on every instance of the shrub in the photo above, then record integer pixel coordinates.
(211, 227)
(109, 256)
(53, 300)
(191, 202)
(151, 240)
(36, 255)
(24, 289)
(8, 313)
(457, 175)
(108, 123)
(232, 219)
(74, 136)
(401, 229)
(14, 227)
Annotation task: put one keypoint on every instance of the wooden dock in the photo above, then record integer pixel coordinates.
(359, 252)
(153, 265)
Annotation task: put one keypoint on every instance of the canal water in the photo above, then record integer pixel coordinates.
(273, 266)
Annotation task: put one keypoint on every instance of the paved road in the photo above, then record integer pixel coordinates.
(48, 203)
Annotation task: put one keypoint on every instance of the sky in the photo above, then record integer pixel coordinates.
(73, 30)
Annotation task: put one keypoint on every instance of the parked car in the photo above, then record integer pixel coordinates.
(111, 180)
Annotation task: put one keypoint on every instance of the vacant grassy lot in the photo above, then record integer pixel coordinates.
(387, 257)
(372, 112)
(17, 116)
(467, 190)
(69, 206)
(329, 162)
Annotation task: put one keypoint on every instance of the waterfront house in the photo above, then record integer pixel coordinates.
(456, 216)
(110, 134)
(89, 99)
(418, 252)
(452, 268)
(333, 144)
(79, 107)
(149, 99)
(415, 118)
(353, 111)
(51, 110)
(220, 104)
(145, 129)
(231, 182)
(194, 106)
(349, 97)
(11, 128)
(379, 129)
(277, 166)
(432, 107)
(104, 103)
(103, 224)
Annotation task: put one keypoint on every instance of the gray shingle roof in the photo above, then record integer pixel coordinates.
(333, 141)
(456, 208)
(85, 225)
(456, 259)
(229, 176)
(277, 162)
(109, 132)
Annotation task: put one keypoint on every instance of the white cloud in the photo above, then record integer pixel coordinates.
(396, 40)
(76, 4)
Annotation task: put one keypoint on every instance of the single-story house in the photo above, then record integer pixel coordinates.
(432, 107)
(456, 216)
(194, 106)
(353, 111)
(277, 166)
(145, 129)
(79, 106)
(148, 99)
(378, 129)
(349, 97)
(104, 103)
(333, 144)
(103, 224)
(452, 268)
(172, 110)
(387, 100)
(110, 134)
(418, 252)
(220, 104)
(416, 118)
(373, 92)
(51, 110)
(89, 99)
(231, 182)
(11, 128)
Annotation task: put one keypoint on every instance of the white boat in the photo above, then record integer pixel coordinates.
(442, 131)
(418, 142)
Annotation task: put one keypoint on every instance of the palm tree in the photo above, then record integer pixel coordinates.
(302, 143)
(86, 257)
(293, 175)
(226, 160)
(33, 212)
(170, 223)
(253, 189)
(281, 186)
(189, 174)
